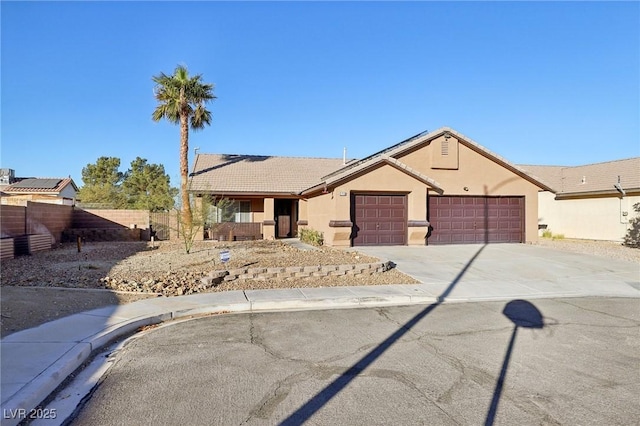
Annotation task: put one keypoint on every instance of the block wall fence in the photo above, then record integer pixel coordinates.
(35, 218)
(59, 220)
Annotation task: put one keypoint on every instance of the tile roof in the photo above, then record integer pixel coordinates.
(293, 175)
(259, 174)
(590, 178)
(39, 186)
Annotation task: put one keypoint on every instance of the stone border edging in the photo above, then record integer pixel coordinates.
(215, 278)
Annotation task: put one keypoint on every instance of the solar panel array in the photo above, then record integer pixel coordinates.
(37, 183)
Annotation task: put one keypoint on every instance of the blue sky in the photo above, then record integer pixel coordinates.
(538, 83)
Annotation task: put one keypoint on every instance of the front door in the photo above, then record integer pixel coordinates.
(282, 216)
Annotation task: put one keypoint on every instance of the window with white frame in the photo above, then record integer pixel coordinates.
(232, 211)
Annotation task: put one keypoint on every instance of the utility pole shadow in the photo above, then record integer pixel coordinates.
(522, 314)
(307, 410)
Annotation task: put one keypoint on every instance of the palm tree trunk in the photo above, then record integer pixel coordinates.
(187, 216)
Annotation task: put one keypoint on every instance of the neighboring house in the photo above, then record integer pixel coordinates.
(42, 190)
(433, 188)
(594, 201)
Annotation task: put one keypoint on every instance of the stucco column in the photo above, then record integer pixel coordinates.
(417, 225)
(269, 223)
(303, 218)
(340, 224)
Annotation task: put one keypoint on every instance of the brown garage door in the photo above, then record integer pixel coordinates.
(468, 220)
(379, 219)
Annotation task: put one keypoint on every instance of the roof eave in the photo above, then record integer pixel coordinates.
(253, 194)
(600, 193)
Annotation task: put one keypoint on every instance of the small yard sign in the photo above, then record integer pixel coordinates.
(225, 256)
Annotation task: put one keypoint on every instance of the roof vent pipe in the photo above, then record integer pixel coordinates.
(619, 188)
(344, 155)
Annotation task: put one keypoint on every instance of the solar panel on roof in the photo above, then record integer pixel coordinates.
(37, 183)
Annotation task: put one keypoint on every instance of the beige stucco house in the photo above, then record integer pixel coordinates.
(42, 190)
(437, 187)
(593, 201)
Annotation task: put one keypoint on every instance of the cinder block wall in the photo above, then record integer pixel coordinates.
(35, 218)
(45, 218)
(111, 218)
(13, 221)
(108, 218)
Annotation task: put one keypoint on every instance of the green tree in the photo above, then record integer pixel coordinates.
(632, 239)
(147, 187)
(102, 183)
(181, 100)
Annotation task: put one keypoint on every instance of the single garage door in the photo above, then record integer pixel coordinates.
(379, 219)
(469, 220)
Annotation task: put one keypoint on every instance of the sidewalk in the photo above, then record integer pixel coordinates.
(37, 360)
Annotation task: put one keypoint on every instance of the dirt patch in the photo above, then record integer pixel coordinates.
(53, 284)
(26, 307)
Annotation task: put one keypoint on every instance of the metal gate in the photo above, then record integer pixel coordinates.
(159, 223)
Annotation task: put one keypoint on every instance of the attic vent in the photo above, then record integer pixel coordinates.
(444, 147)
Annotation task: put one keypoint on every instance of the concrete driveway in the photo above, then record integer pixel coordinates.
(496, 271)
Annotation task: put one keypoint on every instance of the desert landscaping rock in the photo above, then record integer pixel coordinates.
(609, 249)
(130, 271)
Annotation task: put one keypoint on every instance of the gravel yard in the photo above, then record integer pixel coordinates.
(608, 249)
(53, 284)
(166, 269)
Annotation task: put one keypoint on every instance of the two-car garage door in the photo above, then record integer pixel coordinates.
(468, 220)
(381, 219)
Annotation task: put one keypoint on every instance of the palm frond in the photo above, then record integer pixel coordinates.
(180, 93)
(200, 117)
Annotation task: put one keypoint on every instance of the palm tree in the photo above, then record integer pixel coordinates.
(181, 100)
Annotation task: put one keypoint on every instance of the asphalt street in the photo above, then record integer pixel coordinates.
(543, 361)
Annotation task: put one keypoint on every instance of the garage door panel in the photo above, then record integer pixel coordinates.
(399, 227)
(368, 226)
(492, 224)
(383, 226)
(370, 213)
(384, 214)
(463, 220)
